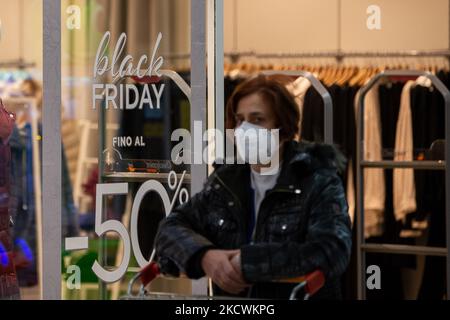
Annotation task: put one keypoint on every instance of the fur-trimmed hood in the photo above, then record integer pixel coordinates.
(309, 155)
(299, 159)
(315, 155)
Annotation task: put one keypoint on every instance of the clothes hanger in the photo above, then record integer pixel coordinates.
(434, 66)
(237, 70)
(347, 74)
(293, 66)
(381, 64)
(314, 67)
(361, 79)
(286, 64)
(373, 69)
(320, 72)
(399, 64)
(339, 74)
(352, 72)
(343, 69)
(365, 75)
(326, 74)
(270, 65)
(333, 75)
(226, 69)
(354, 80)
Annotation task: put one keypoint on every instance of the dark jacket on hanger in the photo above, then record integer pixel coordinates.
(428, 116)
(296, 232)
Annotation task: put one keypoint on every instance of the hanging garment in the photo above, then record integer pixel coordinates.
(25, 237)
(404, 191)
(17, 174)
(350, 192)
(298, 88)
(374, 184)
(428, 114)
(344, 128)
(230, 84)
(8, 279)
(389, 98)
(312, 117)
(349, 146)
(428, 110)
(7, 120)
(25, 224)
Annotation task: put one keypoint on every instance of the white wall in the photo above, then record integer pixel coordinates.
(12, 45)
(406, 25)
(276, 26)
(312, 25)
(9, 45)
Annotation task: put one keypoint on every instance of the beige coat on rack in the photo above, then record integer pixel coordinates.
(374, 182)
(404, 190)
(298, 88)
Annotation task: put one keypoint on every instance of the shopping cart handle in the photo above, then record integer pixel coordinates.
(150, 272)
(314, 282)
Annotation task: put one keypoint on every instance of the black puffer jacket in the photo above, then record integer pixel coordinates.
(303, 224)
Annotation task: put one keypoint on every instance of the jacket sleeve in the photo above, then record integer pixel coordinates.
(327, 245)
(180, 241)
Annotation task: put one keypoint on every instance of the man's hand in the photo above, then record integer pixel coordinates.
(218, 266)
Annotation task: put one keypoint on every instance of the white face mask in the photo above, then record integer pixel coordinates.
(256, 144)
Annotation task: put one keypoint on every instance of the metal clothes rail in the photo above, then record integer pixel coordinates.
(339, 55)
(362, 246)
(17, 64)
(326, 97)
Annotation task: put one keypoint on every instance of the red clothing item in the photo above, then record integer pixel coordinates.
(9, 288)
(90, 186)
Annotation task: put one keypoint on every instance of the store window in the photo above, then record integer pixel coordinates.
(20, 149)
(126, 89)
(122, 142)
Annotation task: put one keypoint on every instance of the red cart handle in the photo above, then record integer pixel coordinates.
(314, 282)
(311, 283)
(149, 273)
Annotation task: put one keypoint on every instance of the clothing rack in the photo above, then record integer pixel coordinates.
(362, 246)
(326, 97)
(339, 55)
(19, 64)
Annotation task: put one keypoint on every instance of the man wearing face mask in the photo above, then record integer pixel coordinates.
(279, 212)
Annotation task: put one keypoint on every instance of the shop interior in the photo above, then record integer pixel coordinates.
(343, 43)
